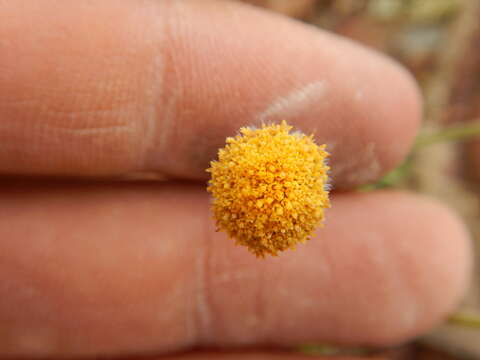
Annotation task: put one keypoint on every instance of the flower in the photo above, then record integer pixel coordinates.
(269, 188)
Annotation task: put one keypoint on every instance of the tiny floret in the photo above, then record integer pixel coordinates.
(269, 188)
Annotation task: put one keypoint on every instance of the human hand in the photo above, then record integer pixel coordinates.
(111, 90)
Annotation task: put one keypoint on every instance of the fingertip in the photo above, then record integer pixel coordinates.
(386, 109)
(387, 267)
(447, 257)
(407, 114)
(432, 274)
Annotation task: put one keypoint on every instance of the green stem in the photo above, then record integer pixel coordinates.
(464, 319)
(328, 350)
(453, 133)
(393, 178)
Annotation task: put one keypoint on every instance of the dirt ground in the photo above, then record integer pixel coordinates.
(439, 42)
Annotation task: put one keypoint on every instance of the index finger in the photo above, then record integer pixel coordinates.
(141, 86)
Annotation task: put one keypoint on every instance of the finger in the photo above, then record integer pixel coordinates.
(159, 85)
(122, 269)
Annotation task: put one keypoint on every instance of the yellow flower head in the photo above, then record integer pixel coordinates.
(269, 188)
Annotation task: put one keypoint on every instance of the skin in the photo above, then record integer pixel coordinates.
(150, 89)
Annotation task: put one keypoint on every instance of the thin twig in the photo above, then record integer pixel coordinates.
(453, 133)
(465, 319)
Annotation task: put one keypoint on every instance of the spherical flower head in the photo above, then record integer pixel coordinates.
(269, 188)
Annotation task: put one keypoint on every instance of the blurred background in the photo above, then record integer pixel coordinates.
(439, 42)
